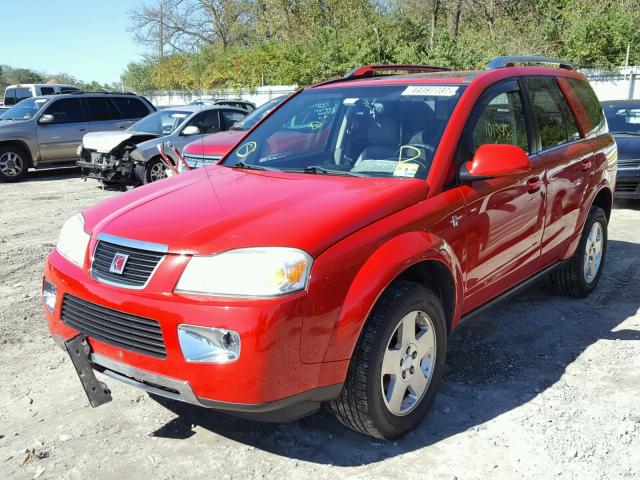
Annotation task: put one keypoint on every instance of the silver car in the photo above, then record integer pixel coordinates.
(132, 157)
(44, 132)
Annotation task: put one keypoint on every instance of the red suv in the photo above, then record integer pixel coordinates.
(335, 248)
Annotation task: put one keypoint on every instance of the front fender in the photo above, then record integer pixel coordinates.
(342, 328)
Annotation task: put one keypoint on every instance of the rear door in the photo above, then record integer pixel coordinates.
(60, 139)
(103, 115)
(504, 216)
(568, 160)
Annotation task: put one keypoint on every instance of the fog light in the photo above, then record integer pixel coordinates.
(49, 292)
(210, 345)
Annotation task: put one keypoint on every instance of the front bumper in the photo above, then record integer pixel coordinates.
(106, 167)
(268, 380)
(628, 181)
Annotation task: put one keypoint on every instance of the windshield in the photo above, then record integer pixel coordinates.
(623, 118)
(162, 122)
(258, 114)
(377, 131)
(24, 110)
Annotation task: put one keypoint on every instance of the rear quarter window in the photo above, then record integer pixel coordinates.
(585, 104)
(130, 107)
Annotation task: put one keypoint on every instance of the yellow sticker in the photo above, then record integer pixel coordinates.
(405, 169)
(246, 149)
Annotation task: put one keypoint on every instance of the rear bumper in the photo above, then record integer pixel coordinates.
(628, 182)
(268, 381)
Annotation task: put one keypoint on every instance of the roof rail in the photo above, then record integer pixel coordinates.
(370, 70)
(104, 92)
(511, 60)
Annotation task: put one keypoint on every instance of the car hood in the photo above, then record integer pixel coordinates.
(628, 147)
(219, 208)
(104, 142)
(216, 144)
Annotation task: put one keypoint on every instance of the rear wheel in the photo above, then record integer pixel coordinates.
(397, 364)
(579, 276)
(14, 163)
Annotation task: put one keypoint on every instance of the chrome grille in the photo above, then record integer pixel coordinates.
(138, 268)
(130, 332)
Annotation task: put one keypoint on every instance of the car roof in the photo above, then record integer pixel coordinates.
(200, 108)
(630, 101)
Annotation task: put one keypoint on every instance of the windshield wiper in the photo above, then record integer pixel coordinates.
(625, 133)
(316, 169)
(253, 167)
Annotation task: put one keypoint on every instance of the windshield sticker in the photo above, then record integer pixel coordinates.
(431, 90)
(350, 101)
(406, 169)
(246, 149)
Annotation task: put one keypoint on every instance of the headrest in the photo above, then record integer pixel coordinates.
(384, 131)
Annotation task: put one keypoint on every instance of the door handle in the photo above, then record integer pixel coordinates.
(586, 165)
(122, 127)
(83, 129)
(534, 184)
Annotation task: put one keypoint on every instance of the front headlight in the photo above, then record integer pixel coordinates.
(252, 272)
(73, 241)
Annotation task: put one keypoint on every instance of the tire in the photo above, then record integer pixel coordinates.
(14, 163)
(366, 403)
(151, 170)
(580, 275)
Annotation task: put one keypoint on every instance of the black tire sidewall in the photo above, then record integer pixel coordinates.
(595, 215)
(148, 167)
(417, 298)
(25, 163)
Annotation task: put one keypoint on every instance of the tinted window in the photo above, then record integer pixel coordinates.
(207, 122)
(99, 109)
(47, 91)
(582, 90)
(502, 121)
(229, 118)
(67, 110)
(623, 117)
(130, 107)
(10, 96)
(548, 111)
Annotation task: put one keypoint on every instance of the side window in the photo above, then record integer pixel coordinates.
(99, 109)
(502, 121)
(67, 110)
(230, 117)
(47, 91)
(548, 111)
(10, 96)
(572, 127)
(130, 107)
(207, 122)
(580, 91)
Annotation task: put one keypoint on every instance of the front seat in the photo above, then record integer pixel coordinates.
(383, 140)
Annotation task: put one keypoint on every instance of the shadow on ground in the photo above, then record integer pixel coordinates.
(497, 362)
(48, 174)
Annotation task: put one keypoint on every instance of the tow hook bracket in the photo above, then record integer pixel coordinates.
(79, 350)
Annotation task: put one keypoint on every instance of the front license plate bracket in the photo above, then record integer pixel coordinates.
(79, 350)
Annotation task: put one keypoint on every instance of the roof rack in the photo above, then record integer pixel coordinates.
(511, 60)
(370, 70)
(104, 92)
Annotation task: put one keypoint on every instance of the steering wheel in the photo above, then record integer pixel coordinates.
(422, 146)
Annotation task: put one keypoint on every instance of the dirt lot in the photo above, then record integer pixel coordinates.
(541, 387)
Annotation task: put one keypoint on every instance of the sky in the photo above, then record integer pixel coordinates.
(85, 38)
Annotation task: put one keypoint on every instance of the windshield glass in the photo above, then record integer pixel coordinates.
(24, 110)
(623, 117)
(258, 114)
(162, 122)
(377, 131)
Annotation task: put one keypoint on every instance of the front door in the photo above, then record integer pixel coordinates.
(504, 216)
(60, 139)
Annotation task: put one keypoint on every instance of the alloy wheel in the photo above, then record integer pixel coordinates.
(593, 252)
(11, 164)
(157, 172)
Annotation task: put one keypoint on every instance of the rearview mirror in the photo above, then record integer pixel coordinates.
(191, 130)
(495, 160)
(47, 118)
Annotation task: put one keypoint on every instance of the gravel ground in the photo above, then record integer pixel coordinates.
(541, 387)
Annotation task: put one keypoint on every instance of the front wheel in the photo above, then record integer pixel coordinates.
(579, 276)
(397, 365)
(13, 163)
(154, 170)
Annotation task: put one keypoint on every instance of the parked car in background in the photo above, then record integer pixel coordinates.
(210, 149)
(229, 102)
(44, 132)
(331, 254)
(623, 117)
(16, 93)
(131, 157)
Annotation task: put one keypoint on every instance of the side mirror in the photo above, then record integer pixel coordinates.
(46, 118)
(191, 130)
(495, 160)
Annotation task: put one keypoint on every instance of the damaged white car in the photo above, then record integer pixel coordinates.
(132, 157)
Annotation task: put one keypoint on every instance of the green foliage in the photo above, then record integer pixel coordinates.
(304, 41)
